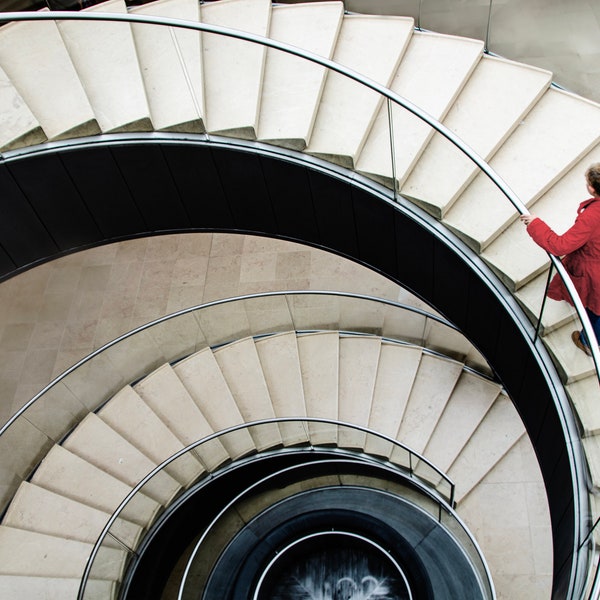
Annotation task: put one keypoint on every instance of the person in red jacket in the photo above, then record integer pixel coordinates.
(580, 248)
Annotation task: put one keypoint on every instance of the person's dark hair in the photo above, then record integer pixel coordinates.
(592, 176)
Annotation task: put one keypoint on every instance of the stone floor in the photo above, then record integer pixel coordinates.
(57, 313)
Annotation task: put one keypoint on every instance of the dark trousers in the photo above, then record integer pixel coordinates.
(595, 321)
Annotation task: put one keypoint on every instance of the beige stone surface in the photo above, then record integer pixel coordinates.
(105, 59)
(34, 58)
(359, 359)
(432, 72)
(234, 67)
(284, 119)
(374, 47)
(171, 65)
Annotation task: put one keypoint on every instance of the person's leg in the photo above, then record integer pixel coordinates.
(595, 321)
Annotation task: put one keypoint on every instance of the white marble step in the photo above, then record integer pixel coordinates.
(359, 359)
(397, 369)
(39, 67)
(29, 553)
(18, 125)
(62, 472)
(471, 399)
(36, 509)
(496, 87)
(558, 207)
(234, 68)
(572, 364)
(136, 422)
(292, 86)
(584, 395)
(280, 363)
(319, 365)
(556, 313)
(53, 588)
(494, 437)
(374, 47)
(241, 369)
(163, 391)
(203, 379)
(99, 444)
(171, 66)
(560, 130)
(105, 58)
(432, 72)
(429, 395)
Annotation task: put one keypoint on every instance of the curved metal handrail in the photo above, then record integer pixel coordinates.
(469, 152)
(414, 457)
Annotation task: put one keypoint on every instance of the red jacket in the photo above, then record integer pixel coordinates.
(581, 247)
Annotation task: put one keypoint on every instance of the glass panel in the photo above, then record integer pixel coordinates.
(314, 311)
(179, 337)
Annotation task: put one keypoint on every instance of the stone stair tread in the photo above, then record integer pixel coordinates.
(432, 72)
(397, 369)
(166, 395)
(25, 552)
(240, 365)
(233, 65)
(280, 363)
(104, 56)
(99, 444)
(36, 509)
(35, 59)
(432, 388)
(468, 404)
(572, 363)
(18, 125)
(500, 429)
(319, 365)
(372, 46)
(558, 207)
(359, 359)
(292, 86)
(135, 421)
(204, 381)
(556, 313)
(584, 396)
(62, 472)
(171, 68)
(497, 86)
(554, 136)
(53, 588)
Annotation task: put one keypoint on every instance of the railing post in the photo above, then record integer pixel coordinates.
(538, 326)
(392, 148)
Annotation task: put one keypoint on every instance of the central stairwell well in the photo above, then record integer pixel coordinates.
(115, 84)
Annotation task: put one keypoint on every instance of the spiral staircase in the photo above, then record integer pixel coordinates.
(68, 85)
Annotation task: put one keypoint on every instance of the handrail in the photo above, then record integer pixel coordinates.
(206, 305)
(473, 156)
(469, 152)
(414, 457)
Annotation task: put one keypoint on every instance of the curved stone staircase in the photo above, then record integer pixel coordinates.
(74, 79)
(432, 403)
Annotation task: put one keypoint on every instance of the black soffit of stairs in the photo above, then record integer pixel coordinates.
(67, 197)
